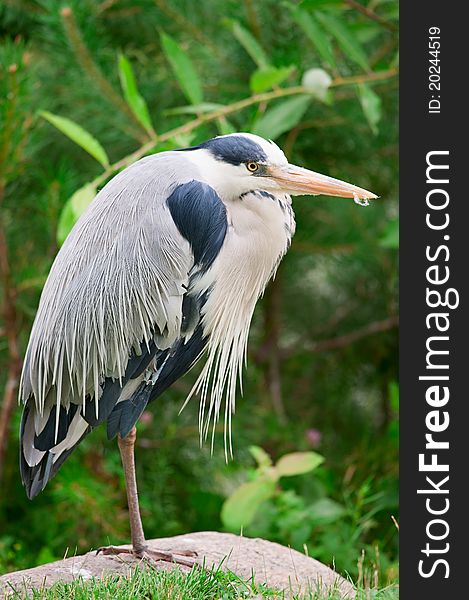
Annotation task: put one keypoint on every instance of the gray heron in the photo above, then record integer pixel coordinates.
(166, 265)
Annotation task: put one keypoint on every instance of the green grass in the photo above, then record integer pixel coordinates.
(199, 584)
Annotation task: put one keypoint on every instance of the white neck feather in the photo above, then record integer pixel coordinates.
(258, 236)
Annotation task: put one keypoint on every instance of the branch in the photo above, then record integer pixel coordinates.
(350, 338)
(10, 329)
(389, 46)
(229, 109)
(253, 20)
(372, 15)
(347, 339)
(368, 77)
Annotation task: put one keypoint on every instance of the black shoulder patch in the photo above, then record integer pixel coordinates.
(200, 217)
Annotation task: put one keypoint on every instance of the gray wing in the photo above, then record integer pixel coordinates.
(117, 324)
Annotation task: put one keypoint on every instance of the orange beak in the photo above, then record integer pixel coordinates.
(296, 181)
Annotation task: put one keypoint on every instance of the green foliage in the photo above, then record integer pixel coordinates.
(321, 372)
(132, 95)
(78, 135)
(371, 104)
(241, 507)
(282, 117)
(183, 69)
(315, 34)
(73, 209)
(267, 77)
(250, 44)
(266, 507)
(390, 237)
(298, 463)
(348, 42)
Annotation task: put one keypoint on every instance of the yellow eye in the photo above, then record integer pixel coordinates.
(252, 166)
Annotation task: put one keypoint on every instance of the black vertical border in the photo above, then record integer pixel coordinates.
(421, 132)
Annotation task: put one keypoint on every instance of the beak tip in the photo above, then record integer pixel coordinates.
(366, 195)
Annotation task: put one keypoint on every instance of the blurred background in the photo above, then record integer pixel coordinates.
(86, 88)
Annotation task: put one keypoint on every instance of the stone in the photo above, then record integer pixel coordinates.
(275, 565)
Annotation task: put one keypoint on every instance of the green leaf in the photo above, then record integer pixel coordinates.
(240, 508)
(315, 34)
(250, 44)
(66, 221)
(394, 395)
(135, 101)
(282, 117)
(346, 40)
(73, 209)
(264, 79)
(297, 463)
(260, 456)
(78, 135)
(183, 69)
(317, 82)
(371, 105)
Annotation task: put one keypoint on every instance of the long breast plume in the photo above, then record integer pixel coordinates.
(236, 281)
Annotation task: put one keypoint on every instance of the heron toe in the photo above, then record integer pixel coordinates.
(181, 557)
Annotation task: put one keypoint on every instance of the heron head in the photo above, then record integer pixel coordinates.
(239, 162)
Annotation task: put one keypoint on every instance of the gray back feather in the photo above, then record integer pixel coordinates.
(92, 314)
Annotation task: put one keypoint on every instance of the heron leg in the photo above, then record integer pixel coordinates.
(139, 545)
(126, 449)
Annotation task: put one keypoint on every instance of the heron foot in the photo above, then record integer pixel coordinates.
(181, 557)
